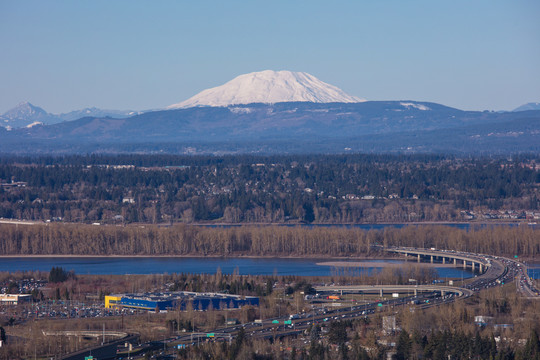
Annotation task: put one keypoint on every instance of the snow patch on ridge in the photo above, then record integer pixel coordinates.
(34, 124)
(240, 110)
(414, 105)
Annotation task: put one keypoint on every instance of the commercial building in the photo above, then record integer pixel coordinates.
(112, 301)
(14, 299)
(182, 300)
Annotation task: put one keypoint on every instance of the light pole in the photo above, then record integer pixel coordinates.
(364, 301)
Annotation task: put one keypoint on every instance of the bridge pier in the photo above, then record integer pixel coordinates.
(481, 268)
(443, 260)
(418, 257)
(432, 259)
(381, 293)
(455, 262)
(415, 292)
(464, 264)
(472, 265)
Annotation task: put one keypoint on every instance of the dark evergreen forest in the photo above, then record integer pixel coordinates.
(268, 189)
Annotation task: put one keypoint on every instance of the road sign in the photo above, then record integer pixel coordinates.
(89, 357)
(210, 335)
(379, 304)
(287, 322)
(275, 321)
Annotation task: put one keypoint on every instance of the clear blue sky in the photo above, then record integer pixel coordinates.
(66, 55)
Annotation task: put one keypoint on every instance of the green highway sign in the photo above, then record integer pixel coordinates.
(275, 321)
(210, 335)
(287, 322)
(379, 304)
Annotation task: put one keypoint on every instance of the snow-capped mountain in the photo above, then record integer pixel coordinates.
(269, 87)
(25, 114)
(28, 115)
(528, 106)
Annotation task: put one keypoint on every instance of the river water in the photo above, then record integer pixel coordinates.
(367, 227)
(198, 265)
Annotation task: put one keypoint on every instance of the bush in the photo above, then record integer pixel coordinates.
(58, 275)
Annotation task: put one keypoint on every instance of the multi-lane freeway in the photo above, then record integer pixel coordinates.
(493, 271)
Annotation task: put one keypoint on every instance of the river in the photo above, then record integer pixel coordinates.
(198, 265)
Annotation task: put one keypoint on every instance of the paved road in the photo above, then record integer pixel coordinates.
(497, 271)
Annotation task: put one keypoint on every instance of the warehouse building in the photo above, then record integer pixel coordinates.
(182, 300)
(14, 299)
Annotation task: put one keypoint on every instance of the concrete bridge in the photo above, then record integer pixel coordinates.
(389, 289)
(446, 257)
(87, 333)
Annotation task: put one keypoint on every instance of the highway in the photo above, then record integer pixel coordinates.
(495, 271)
(275, 328)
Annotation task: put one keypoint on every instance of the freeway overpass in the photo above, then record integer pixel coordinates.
(492, 268)
(388, 289)
(87, 333)
(465, 259)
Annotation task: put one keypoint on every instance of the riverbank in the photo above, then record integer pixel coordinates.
(497, 222)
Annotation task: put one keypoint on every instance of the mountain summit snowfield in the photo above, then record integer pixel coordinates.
(269, 87)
